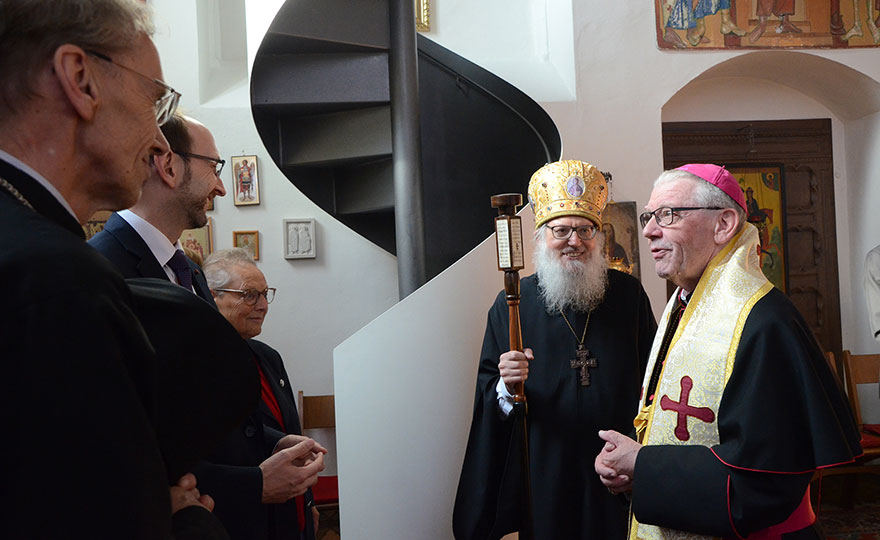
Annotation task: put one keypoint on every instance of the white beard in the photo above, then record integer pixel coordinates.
(575, 284)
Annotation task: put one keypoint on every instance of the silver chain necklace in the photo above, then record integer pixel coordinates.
(15, 193)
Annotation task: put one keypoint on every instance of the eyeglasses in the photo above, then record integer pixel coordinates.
(665, 215)
(218, 163)
(250, 296)
(165, 105)
(587, 232)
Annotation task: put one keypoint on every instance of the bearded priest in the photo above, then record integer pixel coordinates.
(587, 332)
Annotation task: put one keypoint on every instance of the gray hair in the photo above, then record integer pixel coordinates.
(219, 266)
(31, 31)
(705, 194)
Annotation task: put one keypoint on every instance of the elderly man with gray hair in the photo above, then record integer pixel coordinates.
(263, 471)
(81, 101)
(738, 407)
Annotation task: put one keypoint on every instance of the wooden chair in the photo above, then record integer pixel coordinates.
(857, 369)
(863, 369)
(832, 363)
(860, 369)
(319, 412)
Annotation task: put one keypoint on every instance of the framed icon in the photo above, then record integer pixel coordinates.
(248, 240)
(423, 15)
(198, 241)
(621, 229)
(245, 181)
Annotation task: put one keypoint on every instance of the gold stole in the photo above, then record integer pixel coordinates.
(703, 349)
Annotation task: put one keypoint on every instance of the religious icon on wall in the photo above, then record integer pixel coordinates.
(621, 232)
(199, 242)
(249, 241)
(245, 181)
(299, 239)
(762, 187)
(96, 223)
(767, 24)
(423, 15)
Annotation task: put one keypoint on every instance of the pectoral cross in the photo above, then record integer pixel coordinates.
(582, 362)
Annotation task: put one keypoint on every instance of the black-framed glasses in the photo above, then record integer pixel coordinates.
(665, 215)
(250, 296)
(586, 232)
(218, 163)
(165, 105)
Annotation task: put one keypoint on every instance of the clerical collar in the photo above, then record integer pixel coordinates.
(684, 297)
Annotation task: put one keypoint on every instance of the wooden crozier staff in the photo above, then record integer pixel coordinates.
(508, 239)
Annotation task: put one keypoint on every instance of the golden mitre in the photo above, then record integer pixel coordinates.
(568, 188)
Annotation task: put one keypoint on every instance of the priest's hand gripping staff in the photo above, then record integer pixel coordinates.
(508, 239)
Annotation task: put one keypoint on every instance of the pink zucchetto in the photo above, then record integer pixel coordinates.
(719, 177)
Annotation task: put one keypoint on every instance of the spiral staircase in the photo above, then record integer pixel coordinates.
(322, 102)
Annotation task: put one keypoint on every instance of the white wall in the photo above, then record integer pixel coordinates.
(863, 152)
(404, 395)
(525, 42)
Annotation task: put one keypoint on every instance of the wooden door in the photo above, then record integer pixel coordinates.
(803, 150)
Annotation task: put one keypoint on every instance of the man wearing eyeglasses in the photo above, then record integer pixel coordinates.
(587, 332)
(260, 475)
(738, 406)
(81, 101)
(143, 241)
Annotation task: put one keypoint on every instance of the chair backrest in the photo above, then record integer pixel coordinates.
(832, 362)
(859, 369)
(317, 411)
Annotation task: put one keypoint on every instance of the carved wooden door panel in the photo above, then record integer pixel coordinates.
(803, 149)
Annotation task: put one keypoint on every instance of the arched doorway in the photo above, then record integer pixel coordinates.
(788, 109)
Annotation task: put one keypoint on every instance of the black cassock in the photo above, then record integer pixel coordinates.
(564, 417)
(782, 415)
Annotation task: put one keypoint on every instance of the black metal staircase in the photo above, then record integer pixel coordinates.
(320, 95)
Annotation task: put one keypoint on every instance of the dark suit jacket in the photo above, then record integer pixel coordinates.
(125, 248)
(79, 385)
(237, 484)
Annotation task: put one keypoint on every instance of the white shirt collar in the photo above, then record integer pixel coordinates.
(158, 243)
(12, 160)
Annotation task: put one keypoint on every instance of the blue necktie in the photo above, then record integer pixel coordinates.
(180, 265)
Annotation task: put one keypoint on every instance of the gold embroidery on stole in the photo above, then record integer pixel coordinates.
(703, 348)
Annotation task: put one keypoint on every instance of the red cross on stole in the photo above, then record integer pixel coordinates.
(684, 410)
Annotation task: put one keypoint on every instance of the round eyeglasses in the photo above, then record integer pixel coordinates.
(586, 232)
(665, 215)
(250, 296)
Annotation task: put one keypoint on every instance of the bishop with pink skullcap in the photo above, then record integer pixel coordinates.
(718, 176)
(738, 407)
